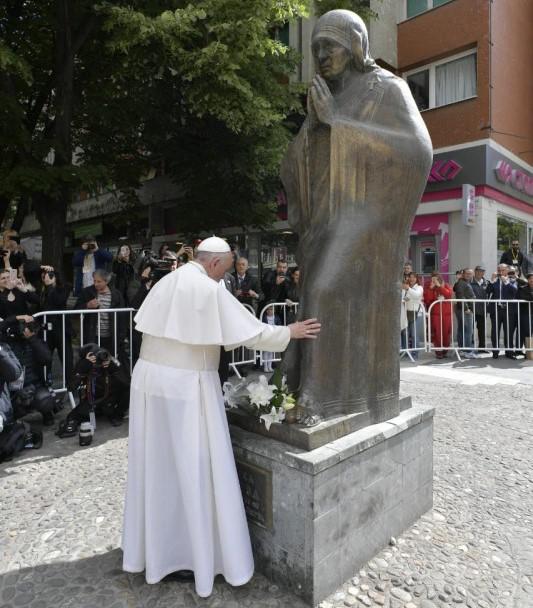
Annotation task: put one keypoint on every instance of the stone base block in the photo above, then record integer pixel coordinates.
(316, 516)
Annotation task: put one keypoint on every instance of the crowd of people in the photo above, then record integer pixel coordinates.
(503, 303)
(97, 374)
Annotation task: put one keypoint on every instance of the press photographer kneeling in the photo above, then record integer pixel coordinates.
(31, 393)
(102, 387)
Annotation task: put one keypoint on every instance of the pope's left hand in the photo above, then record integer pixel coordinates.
(323, 102)
(308, 329)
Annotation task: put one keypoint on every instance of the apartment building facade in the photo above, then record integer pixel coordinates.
(468, 64)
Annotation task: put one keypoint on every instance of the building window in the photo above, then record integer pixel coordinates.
(443, 82)
(419, 85)
(415, 7)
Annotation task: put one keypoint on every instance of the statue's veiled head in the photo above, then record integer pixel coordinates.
(340, 44)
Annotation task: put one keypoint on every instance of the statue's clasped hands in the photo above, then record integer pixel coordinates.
(320, 101)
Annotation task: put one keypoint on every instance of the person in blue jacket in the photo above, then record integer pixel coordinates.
(86, 260)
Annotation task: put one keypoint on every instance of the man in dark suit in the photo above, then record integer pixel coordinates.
(480, 285)
(501, 290)
(247, 289)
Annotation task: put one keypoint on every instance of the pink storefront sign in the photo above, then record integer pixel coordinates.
(435, 224)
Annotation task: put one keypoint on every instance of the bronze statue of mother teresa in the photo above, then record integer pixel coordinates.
(354, 176)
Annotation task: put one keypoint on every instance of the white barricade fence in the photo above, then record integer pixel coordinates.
(468, 327)
(285, 314)
(413, 338)
(465, 327)
(241, 355)
(113, 342)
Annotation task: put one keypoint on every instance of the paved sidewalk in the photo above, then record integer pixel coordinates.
(62, 507)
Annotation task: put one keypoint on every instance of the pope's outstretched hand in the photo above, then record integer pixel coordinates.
(310, 328)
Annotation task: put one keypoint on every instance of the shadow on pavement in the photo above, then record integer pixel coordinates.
(99, 582)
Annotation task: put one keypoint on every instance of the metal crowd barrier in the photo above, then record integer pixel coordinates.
(50, 314)
(481, 320)
(241, 355)
(456, 330)
(281, 310)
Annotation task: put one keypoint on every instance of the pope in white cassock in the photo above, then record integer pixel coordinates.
(184, 508)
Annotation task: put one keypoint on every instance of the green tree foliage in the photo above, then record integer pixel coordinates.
(93, 94)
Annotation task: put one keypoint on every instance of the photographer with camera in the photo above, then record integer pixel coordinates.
(31, 392)
(123, 271)
(15, 435)
(102, 388)
(276, 283)
(101, 296)
(86, 260)
(153, 270)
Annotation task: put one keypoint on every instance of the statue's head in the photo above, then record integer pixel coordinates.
(340, 44)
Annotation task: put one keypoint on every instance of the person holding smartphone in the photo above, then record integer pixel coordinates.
(86, 260)
(12, 254)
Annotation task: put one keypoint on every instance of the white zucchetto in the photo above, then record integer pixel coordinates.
(214, 244)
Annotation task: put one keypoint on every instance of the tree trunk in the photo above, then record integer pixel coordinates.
(52, 217)
(20, 214)
(4, 206)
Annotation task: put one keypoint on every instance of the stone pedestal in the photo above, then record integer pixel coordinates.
(316, 516)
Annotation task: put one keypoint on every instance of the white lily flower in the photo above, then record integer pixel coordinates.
(260, 392)
(274, 416)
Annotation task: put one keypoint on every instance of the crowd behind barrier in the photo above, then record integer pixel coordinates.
(96, 345)
(469, 328)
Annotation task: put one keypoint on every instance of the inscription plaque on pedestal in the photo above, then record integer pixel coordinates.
(256, 488)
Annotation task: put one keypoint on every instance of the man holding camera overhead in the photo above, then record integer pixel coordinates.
(86, 260)
(184, 511)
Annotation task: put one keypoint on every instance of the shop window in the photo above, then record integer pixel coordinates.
(446, 81)
(415, 7)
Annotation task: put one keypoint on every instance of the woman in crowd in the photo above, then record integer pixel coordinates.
(53, 295)
(14, 255)
(124, 272)
(441, 313)
(13, 296)
(31, 284)
(413, 295)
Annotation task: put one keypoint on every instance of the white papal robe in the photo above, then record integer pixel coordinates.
(184, 508)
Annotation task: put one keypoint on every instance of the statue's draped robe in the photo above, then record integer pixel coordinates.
(353, 189)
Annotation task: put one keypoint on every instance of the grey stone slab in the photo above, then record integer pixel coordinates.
(417, 473)
(326, 533)
(368, 503)
(307, 438)
(327, 577)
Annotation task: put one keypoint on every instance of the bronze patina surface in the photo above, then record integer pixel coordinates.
(354, 176)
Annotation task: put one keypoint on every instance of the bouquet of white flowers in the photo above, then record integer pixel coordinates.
(268, 401)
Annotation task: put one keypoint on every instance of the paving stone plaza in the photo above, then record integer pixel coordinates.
(62, 507)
